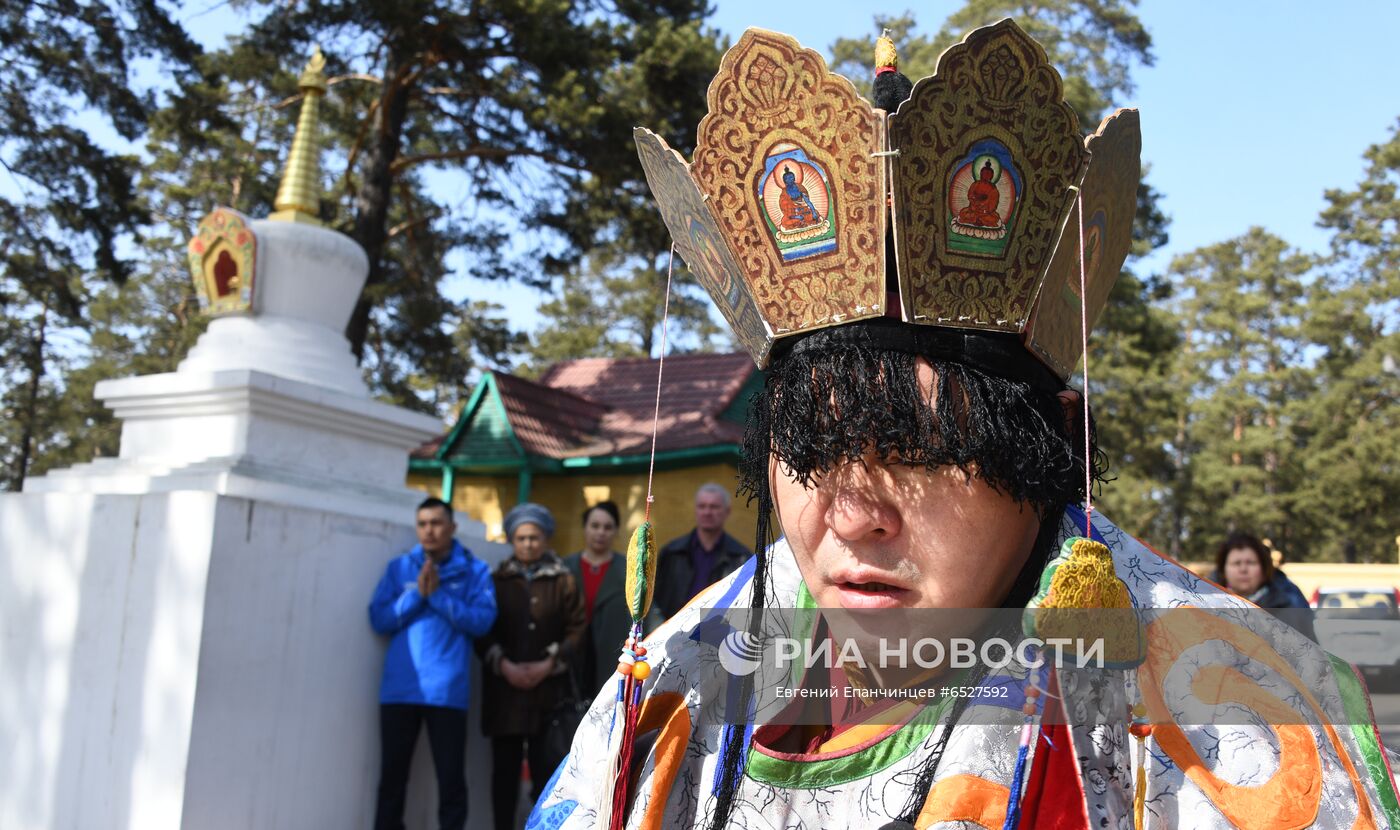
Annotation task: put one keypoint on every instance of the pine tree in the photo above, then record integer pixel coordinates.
(527, 106)
(1352, 469)
(1242, 305)
(1136, 398)
(602, 310)
(72, 209)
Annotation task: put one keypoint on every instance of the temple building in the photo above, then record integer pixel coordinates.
(581, 434)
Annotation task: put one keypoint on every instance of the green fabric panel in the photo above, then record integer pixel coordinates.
(804, 626)
(639, 557)
(810, 775)
(872, 759)
(1358, 710)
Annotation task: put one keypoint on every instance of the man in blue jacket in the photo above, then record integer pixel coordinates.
(432, 601)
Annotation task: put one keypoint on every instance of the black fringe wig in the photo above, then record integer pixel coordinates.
(853, 392)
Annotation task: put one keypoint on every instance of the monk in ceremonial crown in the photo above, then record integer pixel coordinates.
(918, 446)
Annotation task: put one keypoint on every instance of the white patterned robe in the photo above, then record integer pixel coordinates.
(1306, 775)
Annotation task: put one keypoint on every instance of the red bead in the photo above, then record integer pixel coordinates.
(1029, 708)
(1140, 730)
(640, 650)
(624, 669)
(1032, 693)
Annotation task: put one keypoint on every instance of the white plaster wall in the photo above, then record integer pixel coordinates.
(286, 720)
(192, 660)
(101, 607)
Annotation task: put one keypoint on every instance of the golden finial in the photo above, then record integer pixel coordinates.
(885, 54)
(298, 197)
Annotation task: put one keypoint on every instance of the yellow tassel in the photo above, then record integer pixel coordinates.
(641, 571)
(1087, 580)
(1082, 579)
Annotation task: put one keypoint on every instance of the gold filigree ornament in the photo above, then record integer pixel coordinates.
(797, 179)
(223, 262)
(784, 213)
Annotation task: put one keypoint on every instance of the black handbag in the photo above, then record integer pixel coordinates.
(564, 720)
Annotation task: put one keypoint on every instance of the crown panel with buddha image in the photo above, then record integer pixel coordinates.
(700, 243)
(783, 214)
(987, 157)
(787, 160)
(1109, 199)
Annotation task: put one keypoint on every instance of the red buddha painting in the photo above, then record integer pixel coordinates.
(226, 279)
(983, 193)
(982, 198)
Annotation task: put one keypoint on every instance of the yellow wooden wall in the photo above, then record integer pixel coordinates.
(1312, 575)
(487, 498)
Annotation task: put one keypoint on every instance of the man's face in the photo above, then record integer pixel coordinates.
(710, 511)
(881, 535)
(435, 530)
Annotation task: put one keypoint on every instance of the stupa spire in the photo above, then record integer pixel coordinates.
(299, 194)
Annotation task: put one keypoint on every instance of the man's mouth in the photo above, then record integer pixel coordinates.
(870, 587)
(857, 589)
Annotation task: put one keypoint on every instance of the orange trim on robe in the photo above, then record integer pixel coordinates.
(665, 711)
(965, 798)
(1291, 798)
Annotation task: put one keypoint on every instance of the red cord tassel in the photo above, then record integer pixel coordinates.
(622, 786)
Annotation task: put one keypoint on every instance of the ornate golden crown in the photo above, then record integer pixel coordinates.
(783, 214)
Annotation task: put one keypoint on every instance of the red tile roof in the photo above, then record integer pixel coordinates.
(604, 406)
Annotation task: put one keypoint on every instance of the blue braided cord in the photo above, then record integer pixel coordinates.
(1013, 802)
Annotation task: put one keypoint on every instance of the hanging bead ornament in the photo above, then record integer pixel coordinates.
(1141, 729)
(1030, 709)
(633, 668)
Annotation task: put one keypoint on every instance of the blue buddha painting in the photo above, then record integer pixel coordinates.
(795, 194)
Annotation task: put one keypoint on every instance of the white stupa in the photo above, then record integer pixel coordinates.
(270, 402)
(183, 634)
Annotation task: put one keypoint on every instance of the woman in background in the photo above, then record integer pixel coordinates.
(539, 625)
(1245, 567)
(602, 574)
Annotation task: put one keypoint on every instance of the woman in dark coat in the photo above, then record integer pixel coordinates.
(1244, 566)
(539, 625)
(601, 573)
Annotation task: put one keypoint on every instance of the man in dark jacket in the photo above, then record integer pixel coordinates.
(695, 561)
(432, 601)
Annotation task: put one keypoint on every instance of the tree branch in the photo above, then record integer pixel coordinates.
(409, 224)
(495, 153)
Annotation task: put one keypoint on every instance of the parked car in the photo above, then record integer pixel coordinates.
(1362, 626)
